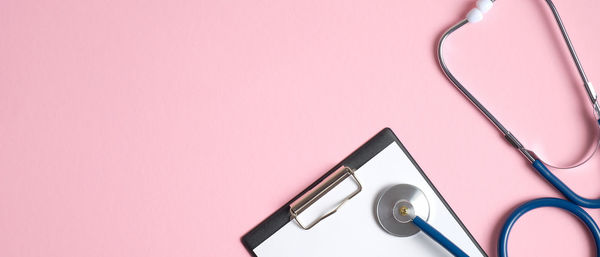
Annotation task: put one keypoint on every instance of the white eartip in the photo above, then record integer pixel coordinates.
(484, 5)
(475, 15)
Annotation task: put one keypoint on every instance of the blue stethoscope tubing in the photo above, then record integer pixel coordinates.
(573, 202)
(438, 237)
(546, 202)
(572, 206)
(564, 189)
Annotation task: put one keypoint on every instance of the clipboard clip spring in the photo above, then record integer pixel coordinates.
(322, 188)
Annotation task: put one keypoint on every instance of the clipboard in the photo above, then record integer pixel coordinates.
(342, 219)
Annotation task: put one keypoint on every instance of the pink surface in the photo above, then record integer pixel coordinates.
(171, 128)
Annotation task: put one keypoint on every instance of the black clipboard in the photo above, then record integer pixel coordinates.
(355, 160)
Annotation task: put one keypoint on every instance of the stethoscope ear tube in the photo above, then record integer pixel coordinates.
(547, 202)
(575, 200)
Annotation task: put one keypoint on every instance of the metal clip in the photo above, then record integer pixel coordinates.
(313, 195)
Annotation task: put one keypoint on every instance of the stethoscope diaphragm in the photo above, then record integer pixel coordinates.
(398, 205)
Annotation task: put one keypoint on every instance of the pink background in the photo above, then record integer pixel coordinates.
(171, 128)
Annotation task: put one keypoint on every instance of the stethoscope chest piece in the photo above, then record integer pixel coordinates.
(398, 205)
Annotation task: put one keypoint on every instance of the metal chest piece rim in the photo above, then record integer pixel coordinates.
(398, 205)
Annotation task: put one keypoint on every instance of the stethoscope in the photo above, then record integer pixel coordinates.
(403, 209)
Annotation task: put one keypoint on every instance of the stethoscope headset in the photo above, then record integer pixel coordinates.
(573, 202)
